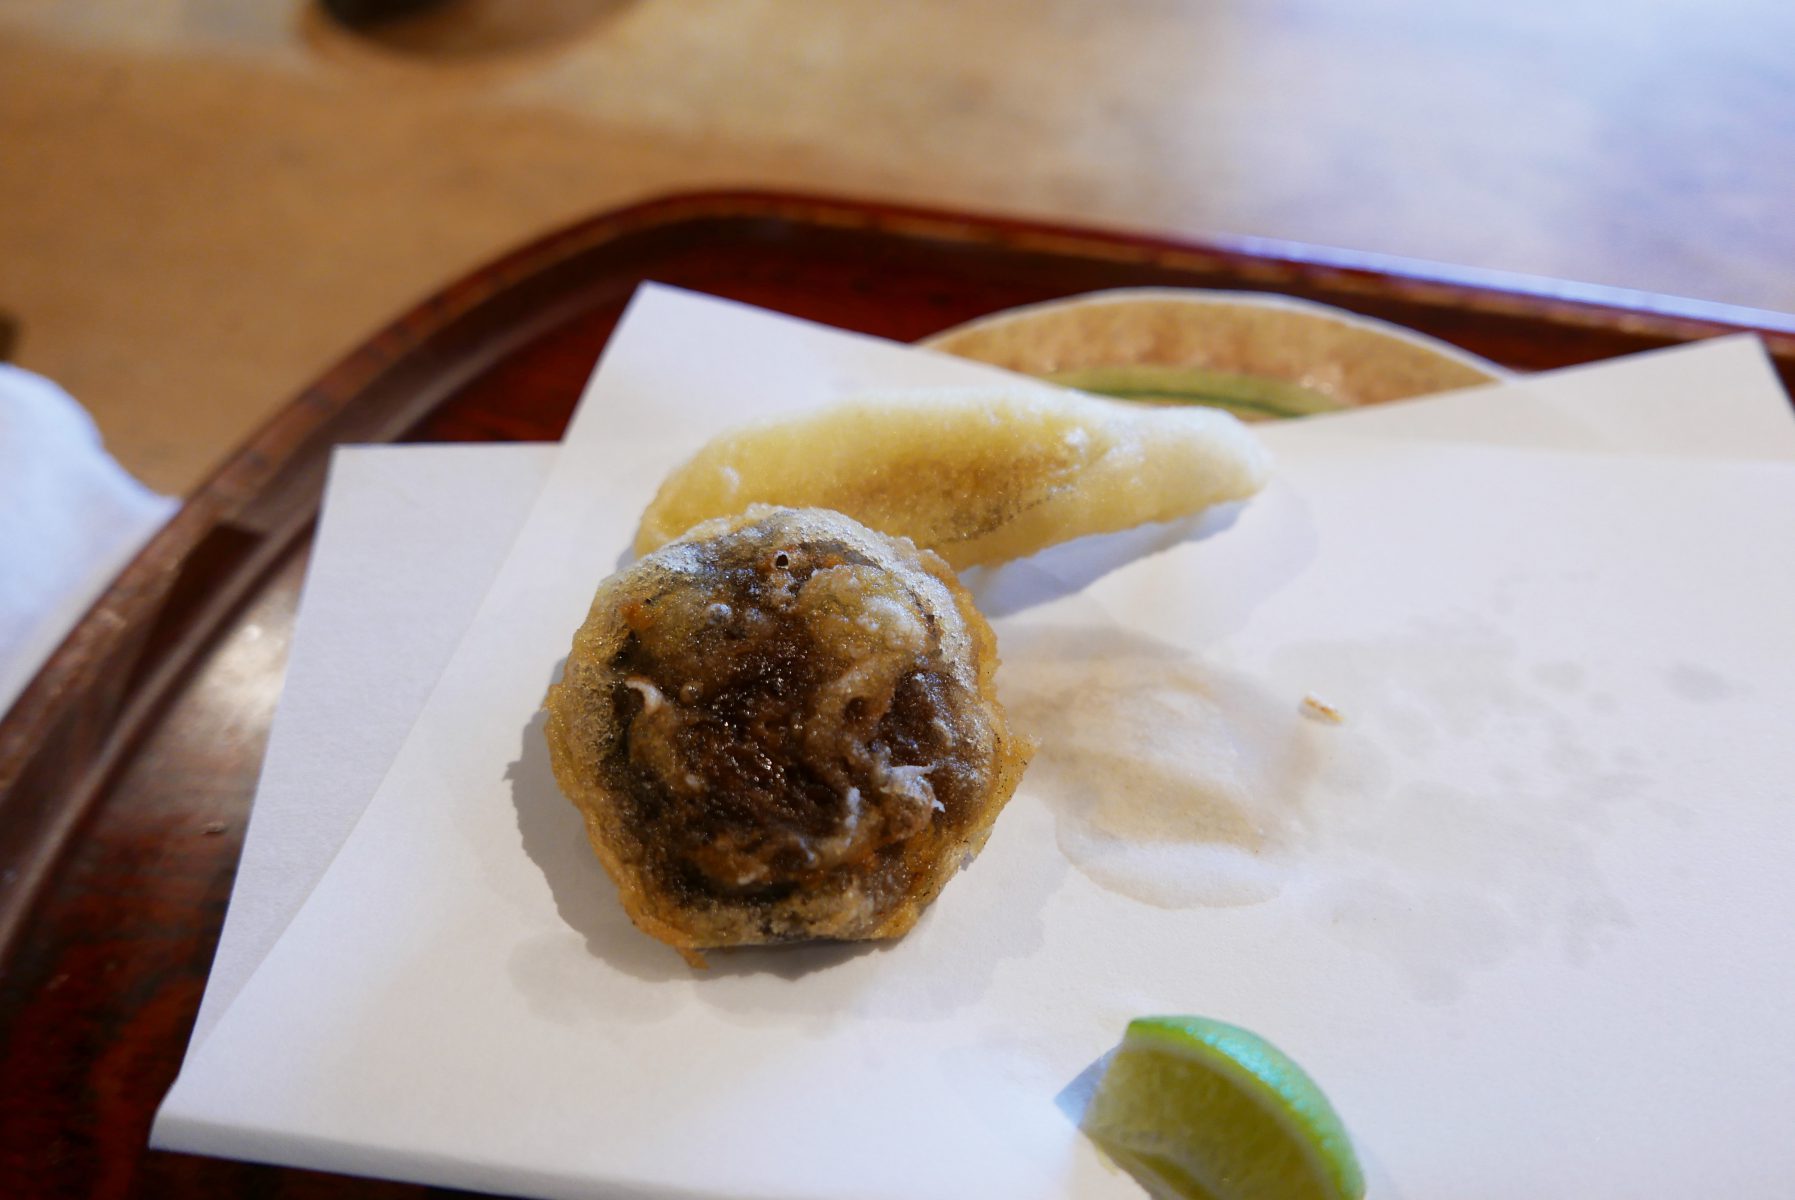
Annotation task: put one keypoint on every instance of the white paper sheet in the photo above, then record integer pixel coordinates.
(1713, 399)
(408, 542)
(411, 535)
(432, 911)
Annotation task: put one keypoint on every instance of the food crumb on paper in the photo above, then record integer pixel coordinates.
(1317, 709)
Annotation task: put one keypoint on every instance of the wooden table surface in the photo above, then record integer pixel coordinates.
(204, 202)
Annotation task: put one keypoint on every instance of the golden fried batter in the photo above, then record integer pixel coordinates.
(782, 727)
(976, 476)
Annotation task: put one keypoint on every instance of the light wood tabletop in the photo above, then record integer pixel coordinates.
(204, 202)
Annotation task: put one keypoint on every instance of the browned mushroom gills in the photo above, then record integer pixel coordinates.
(781, 727)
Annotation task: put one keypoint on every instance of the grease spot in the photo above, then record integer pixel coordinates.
(1434, 937)
(1698, 684)
(1172, 781)
(1465, 823)
(1560, 676)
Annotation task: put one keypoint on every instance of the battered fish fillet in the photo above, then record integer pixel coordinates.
(782, 727)
(976, 476)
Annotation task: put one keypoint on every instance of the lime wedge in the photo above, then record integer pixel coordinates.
(1198, 1110)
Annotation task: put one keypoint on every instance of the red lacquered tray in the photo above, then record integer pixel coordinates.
(127, 767)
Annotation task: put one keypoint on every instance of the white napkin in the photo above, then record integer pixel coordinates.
(313, 1038)
(70, 519)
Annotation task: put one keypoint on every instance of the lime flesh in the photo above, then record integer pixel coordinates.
(1197, 1109)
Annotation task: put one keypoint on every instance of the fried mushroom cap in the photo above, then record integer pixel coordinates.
(782, 727)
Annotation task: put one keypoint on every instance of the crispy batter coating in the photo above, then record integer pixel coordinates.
(978, 477)
(782, 727)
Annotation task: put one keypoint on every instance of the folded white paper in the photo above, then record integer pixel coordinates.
(1471, 883)
(409, 540)
(412, 535)
(1714, 399)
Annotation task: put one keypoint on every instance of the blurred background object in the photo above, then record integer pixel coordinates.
(207, 201)
(371, 13)
(466, 28)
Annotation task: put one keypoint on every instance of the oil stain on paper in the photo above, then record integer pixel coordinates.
(1466, 825)
(1172, 781)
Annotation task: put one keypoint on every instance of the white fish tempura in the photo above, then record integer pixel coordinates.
(977, 476)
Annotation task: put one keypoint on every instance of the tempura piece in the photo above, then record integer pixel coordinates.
(782, 727)
(976, 476)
